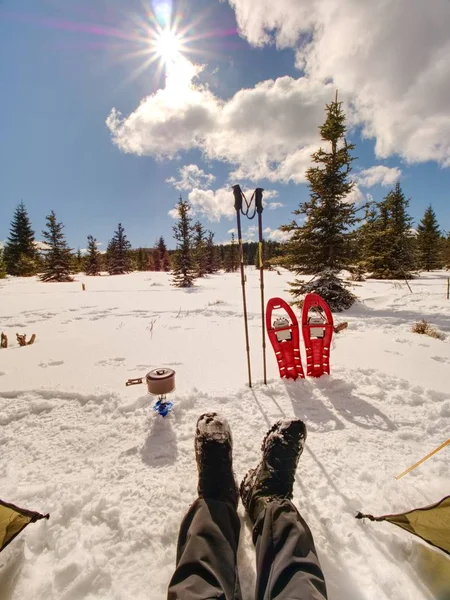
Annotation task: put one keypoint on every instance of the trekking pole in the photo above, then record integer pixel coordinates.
(238, 197)
(259, 209)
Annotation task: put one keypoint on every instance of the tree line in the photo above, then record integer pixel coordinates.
(53, 260)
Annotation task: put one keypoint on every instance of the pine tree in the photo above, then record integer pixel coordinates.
(166, 263)
(230, 259)
(184, 261)
(57, 265)
(118, 255)
(324, 244)
(142, 261)
(211, 254)
(387, 238)
(429, 242)
(446, 251)
(200, 251)
(77, 262)
(20, 254)
(163, 255)
(156, 259)
(372, 239)
(94, 258)
(2, 265)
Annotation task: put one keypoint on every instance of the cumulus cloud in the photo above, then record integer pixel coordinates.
(268, 131)
(41, 245)
(275, 205)
(356, 196)
(390, 64)
(191, 176)
(277, 235)
(390, 60)
(378, 175)
(213, 205)
(216, 204)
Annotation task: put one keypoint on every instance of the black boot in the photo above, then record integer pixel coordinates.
(274, 477)
(213, 451)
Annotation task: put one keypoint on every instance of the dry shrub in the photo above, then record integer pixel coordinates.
(424, 328)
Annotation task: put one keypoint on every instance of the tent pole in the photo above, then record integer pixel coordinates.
(447, 443)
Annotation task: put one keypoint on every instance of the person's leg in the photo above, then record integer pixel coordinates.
(206, 553)
(209, 534)
(287, 563)
(286, 558)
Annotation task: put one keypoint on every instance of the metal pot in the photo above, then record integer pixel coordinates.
(160, 381)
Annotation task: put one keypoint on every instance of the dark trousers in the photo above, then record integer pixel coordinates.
(287, 564)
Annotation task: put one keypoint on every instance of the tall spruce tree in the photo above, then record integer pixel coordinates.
(429, 256)
(77, 262)
(156, 256)
(387, 238)
(20, 253)
(142, 260)
(200, 250)
(184, 260)
(163, 255)
(324, 245)
(118, 255)
(58, 258)
(211, 254)
(446, 251)
(230, 259)
(93, 262)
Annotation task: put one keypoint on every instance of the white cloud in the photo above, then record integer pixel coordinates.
(213, 204)
(216, 204)
(191, 176)
(268, 131)
(390, 64)
(378, 175)
(356, 196)
(390, 59)
(277, 235)
(41, 245)
(275, 205)
(234, 230)
(173, 212)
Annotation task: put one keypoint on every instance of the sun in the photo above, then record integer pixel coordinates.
(168, 46)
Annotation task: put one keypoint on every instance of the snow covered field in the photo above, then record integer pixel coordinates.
(117, 479)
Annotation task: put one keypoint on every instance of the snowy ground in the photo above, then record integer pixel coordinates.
(117, 479)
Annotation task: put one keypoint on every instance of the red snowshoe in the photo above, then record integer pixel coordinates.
(284, 336)
(317, 328)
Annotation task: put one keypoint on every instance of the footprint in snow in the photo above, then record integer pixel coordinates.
(52, 363)
(441, 359)
(111, 361)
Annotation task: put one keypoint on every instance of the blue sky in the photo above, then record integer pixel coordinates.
(66, 64)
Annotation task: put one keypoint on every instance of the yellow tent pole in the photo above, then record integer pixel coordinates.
(424, 459)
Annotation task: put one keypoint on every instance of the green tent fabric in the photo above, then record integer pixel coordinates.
(13, 520)
(431, 523)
